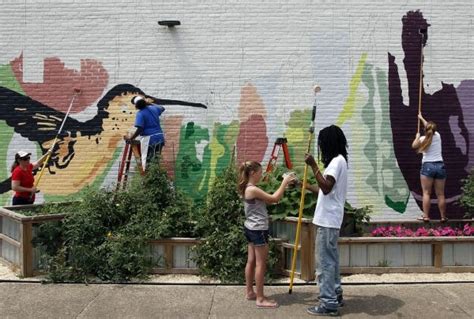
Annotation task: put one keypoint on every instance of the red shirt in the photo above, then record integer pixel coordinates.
(26, 180)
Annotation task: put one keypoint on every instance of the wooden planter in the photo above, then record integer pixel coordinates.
(285, 231)
(377, 254)
(406, 254)
(173, 255)
(16, 233)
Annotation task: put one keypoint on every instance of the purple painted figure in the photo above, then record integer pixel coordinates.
(450, 108)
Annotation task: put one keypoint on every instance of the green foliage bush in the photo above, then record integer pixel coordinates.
(106, 236)
(223, 252)
(467, 197)
(290, 203)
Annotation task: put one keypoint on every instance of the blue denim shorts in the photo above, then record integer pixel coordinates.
(434, 170)
(256, 237)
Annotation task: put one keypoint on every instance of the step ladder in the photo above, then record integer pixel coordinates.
(131, 147)
(280, 143)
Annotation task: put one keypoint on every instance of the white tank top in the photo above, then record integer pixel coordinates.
(434, 152)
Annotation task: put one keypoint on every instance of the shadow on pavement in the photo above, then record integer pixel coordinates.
(303, 298)
(378, 305)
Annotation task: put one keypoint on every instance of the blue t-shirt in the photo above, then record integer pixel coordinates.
(149, 120)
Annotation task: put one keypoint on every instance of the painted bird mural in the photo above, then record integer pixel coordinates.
(84, 149)
(450, 108)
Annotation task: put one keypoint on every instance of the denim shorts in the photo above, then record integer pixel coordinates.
(256, 237)
(434, 170)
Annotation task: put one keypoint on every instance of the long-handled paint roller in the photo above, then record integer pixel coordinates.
(422, 32)
(316, 89)
(37, 180)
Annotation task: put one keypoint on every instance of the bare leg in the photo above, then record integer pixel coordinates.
(439, 190)
(261, 253)
(426, 186)
(250, 273)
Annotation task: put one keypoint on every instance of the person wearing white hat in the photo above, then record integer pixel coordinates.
(147, 122)
(22, 177)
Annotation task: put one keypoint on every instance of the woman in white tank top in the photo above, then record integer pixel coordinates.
(433, 172)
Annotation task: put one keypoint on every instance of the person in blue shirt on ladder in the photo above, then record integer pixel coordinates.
(147, 122)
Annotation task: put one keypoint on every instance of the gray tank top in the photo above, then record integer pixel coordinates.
(256, 214)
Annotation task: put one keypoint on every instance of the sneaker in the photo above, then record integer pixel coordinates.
(340, 300)
(321, 311)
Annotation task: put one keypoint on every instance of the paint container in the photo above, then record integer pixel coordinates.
(294, 182)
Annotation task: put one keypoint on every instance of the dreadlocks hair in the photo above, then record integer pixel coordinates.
(244, 173)
(332, 143)
(430, 129)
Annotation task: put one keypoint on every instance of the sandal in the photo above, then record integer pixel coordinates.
(424, 219)
(268, 304)
(443, 220)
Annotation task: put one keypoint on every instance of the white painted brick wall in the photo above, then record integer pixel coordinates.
(281, 47)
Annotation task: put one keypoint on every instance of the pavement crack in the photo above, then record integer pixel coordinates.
(212, 302)
(88, 305)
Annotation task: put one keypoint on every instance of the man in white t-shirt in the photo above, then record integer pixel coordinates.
(332, 190)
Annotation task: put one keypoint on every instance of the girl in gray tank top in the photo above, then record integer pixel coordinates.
(256, 228)
(256, 214)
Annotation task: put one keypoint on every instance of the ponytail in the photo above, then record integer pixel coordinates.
(430, 129)
(244, 173)
(15, 163)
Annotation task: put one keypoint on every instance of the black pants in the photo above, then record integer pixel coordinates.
(21, 201)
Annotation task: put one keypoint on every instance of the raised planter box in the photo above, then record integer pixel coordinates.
(406, 254)
(285, 230)
(378, 254)
(16, 233)
(173, 255)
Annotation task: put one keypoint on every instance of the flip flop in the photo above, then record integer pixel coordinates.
(424, 219)
(443, 220)
(251, 298)
(268, 306)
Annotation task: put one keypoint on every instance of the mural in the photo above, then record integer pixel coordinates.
(84, 150)
(379, 124)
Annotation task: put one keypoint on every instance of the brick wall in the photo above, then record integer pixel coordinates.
(253, 63)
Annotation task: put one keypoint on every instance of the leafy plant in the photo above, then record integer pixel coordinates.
(106, 236)
(360, 216)
(467, 196)
(223, 252)
(290, 203)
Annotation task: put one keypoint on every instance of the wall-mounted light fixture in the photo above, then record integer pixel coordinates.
(169, 23)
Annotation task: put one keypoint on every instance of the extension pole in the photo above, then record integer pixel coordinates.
(316, 89)
(76, 92)
(420, 87)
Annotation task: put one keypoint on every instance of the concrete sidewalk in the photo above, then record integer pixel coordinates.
(29, 300)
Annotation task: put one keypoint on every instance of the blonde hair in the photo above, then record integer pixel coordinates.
(244, 173)
(430, 129)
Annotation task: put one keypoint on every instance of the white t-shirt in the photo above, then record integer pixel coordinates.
(330, 208)
(434, 152)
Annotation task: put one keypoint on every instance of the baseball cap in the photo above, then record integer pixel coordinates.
(22, 154)
(137, 98)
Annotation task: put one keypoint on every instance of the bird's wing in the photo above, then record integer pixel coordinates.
(31, 119)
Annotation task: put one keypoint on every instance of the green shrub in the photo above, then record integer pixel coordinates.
(223, 252)
(467, 196)
(107, 234)
(290, 203)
